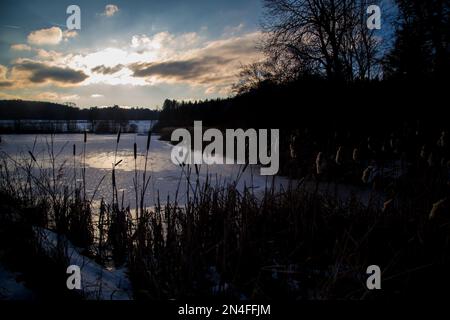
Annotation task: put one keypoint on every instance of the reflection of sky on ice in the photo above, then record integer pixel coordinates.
(100, 150)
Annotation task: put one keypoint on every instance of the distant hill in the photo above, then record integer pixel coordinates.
(20, 109)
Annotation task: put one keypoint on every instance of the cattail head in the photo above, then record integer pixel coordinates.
(292, 147)
(423, 152)
(355, 155)
(442, 142)
(135, 151)
(292, 152)
(319, 163)
(437, 206)
(366, 175)
(74, 149)
(392, 143)
(85, 136)
(388, 204)
(339, 156)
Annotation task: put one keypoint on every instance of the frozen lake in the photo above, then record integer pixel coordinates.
(100, 150)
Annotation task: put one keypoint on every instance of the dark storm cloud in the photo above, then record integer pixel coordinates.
(5, 84)
(41, 72)
(107, 70)
(191, 69)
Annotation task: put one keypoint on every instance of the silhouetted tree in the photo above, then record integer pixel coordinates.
(253, 75)
(326, 37)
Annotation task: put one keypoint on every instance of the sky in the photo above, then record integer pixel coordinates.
(127, 53)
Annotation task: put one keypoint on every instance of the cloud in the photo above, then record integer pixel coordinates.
(178, 70)
(46, 96)
(50, 36)
(11, 27)
(54, 96)
(49, 55)
(4, 82)
(107, 70)
(3, 72)
(39, 73)
(69, 34)
(40, 53)
(69, 97)
(233, 30)
(21, 47)
(110, 10)
(7, 96)
(162, 58)
(214, 65)
(165, 43)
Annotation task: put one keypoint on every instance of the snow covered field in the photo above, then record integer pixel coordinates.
(11, 288)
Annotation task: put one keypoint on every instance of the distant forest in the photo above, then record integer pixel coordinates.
(22, 110)
(315, 102)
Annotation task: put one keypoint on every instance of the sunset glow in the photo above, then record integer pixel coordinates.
(120, 49)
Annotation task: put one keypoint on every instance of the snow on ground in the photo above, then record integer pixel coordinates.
(97, 282)
(11, 288)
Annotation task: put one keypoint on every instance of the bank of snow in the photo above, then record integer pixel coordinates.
(97, 282)
(11, 288)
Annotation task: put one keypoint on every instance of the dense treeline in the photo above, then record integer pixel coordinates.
(422, 41)
(19, 109)
(318, 102)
